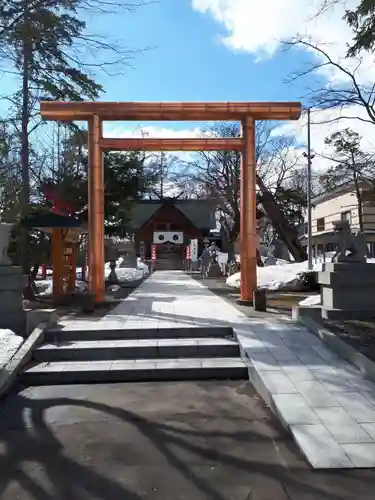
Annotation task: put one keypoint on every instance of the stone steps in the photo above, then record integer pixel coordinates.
(140, 331)
(168, 264)
(93, 355)
(137, 349)
(80, 372)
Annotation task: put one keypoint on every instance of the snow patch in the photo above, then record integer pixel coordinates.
(281, 276)
(313, 300)
(124, 274)
(9, 345)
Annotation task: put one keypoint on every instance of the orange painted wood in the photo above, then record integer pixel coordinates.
(57, 247)
(146, 144)
(96, 210)
(248, 223)
(190, 111)
(72, 273)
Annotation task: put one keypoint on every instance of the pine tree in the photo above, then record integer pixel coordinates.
(362, 21)
(352, 164)
(36, 41)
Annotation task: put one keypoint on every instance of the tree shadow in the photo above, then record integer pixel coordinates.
(74, 481)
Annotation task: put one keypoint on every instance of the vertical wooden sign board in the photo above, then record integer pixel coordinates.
(71, 239)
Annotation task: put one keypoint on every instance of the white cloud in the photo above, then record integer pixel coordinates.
(151, 131)
(319, 131)
(258, 27)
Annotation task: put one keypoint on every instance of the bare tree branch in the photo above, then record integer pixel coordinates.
(331, 96)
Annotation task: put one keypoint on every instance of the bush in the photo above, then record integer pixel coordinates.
(310, 280)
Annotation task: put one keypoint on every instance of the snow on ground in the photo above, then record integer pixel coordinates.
(124, 274)
(9, 345)
(276, 277)
(283, 276)
(313, 300)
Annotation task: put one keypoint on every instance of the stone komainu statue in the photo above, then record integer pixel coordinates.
(351, 247)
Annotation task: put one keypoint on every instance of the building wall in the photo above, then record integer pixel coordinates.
(368, 217)
(332, 210)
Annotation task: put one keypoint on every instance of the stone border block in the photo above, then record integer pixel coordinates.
(365, 365)
(35, 317)
(8, 375)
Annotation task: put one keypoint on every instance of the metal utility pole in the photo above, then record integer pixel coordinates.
(309, 157)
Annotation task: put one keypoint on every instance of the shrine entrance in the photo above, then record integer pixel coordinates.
(244, 112)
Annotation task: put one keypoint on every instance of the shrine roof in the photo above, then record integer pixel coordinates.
(201, 213)
(47, 221)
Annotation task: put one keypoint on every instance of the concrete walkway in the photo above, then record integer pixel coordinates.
(319, 397)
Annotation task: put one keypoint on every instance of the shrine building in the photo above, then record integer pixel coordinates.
(170, 225)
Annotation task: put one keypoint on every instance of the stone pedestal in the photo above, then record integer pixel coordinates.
(12, 315)
(347, 290)
(129, 260)
(214, 270)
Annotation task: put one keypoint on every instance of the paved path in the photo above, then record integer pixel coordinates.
(321, 398)
(157, 441)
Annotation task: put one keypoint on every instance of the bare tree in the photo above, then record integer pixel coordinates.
(216, 175)
(352, 92)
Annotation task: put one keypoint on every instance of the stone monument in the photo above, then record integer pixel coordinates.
(205, 259)
(129, 259)
(110, 255)
(112, 277)
(213, 268)
(348, 282)
(270, 259)
(119, 253)
(12, 283)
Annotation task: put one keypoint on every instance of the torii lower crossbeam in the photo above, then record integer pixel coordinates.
(244, 112)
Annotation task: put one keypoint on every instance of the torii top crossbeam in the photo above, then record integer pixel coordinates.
(169, 111)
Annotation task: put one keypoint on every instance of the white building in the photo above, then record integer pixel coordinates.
(341, 204)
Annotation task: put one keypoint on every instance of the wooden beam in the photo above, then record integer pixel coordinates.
(175, 111)
(198, 144)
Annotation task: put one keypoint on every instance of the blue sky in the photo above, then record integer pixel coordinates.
(184, 60)
(214, 50)
(188, 62)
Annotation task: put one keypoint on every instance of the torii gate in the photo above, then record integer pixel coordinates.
(244, 112)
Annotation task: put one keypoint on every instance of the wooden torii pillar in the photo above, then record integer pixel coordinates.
(248, 227)
(96, 209)
(244, 112)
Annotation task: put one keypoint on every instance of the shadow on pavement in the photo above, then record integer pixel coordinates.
(199, 453)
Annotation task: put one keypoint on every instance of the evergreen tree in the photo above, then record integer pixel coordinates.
(352, 164)
(126, 179)
(36, 43)
(362, 21)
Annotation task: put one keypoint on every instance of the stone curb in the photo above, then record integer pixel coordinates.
(11, 370)
(365, 365)
(267, 397)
